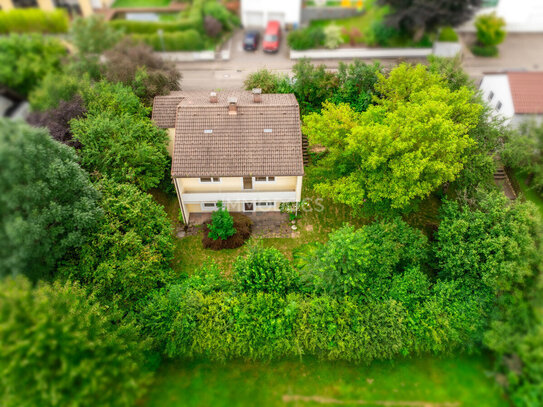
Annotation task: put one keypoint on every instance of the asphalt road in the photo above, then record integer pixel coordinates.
(518, 52)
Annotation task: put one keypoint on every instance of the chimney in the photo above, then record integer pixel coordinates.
(257, 95)
(213, 97)
(232, 106)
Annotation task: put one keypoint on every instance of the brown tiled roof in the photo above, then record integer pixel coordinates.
(164, 109)
(210, 142)
(527, 91)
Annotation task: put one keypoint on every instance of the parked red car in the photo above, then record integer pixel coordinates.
(272, 37)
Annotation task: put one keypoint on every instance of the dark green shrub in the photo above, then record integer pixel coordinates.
(222, 224)
(62, 348)
(485, 50)
(306, 38)
(54, 88)
(242, 225)
(221, 13)
(189, 40)
(381, 34)
(263, 79)
(447, 34)
(33, 20)
(266, 270)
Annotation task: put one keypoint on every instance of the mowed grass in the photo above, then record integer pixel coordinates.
(462, 381)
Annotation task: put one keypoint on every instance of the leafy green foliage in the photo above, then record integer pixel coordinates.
(266, 270)
(91, 36)
(219, 12)
(313, 85)
(129, 255)
(115, 98)
(524, 151)
(493, 245)
(410, 143)
(368, 262)
(56, 87)
(447, 34)
(26, 59)
(263, 79)
(60, 348)
(33, 20)
(48, 205)
(222, 224)
(490, 29)
(306, 38)
(356, 84)
(332, 36)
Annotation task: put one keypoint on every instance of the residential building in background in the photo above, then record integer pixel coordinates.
(241, 148)
(257, 13)
(81, 7)
(517, 96)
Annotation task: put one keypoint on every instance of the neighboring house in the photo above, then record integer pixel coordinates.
(241, 148)
(82, 7)
(257, 13)
(517, 96)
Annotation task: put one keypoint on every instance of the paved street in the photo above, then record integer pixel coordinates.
(519, 51)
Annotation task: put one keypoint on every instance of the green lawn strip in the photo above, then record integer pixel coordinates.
(140, 3)
(529, 193)
(461, 380)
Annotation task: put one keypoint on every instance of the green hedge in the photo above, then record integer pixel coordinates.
(190, 40)
(151, 27)
(33, 20)
(222, 325)
(306, 38)
(485, 50)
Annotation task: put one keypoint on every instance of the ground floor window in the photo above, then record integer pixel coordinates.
(265, 204)
(264, 179)
(209, 206)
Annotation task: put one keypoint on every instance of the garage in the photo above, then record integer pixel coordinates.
(253, 19)
(273, 16)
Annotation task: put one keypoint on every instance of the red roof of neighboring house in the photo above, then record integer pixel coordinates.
(527, 91)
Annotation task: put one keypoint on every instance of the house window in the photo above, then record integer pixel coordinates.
(490, 96)
(209, 206)
(264, 179)
(265, 204)
(499, 106)
(210, 179)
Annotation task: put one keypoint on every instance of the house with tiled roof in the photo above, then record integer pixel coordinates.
(517, 96)
(241, 148)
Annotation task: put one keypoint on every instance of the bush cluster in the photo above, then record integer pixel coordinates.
(243, 227)
(447, 34)
(306, 38)
(33, 21)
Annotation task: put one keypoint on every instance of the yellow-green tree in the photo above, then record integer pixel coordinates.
(414, 139)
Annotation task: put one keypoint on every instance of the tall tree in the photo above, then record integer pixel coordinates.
(401, 149)
(136, 65)
(416, 17)
(60, 348)
(48, 205)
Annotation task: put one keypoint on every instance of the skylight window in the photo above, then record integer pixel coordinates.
(267, 130)
(208, 131)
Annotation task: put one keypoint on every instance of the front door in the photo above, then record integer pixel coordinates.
(248, 207)
(247, 182)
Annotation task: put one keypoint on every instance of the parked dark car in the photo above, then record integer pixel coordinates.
(272, 37)
(250, 42)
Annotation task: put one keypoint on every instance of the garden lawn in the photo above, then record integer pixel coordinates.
(461, 381)
(141, 3)
(530, 194)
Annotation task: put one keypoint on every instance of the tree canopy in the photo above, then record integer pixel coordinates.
(60, 348)
(412, 141)
(48, 205)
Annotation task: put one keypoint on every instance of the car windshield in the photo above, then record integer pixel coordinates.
(270, 38)
(249, 40)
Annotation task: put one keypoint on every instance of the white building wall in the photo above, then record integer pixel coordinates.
(498, 84)
(521, 15)
(257, 13)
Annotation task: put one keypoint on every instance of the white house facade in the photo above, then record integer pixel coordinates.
(257, 13)
(516, 96)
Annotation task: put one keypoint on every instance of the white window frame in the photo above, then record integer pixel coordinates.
(214, 180)
(266, 180)
(264, 204)
(207, 208)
